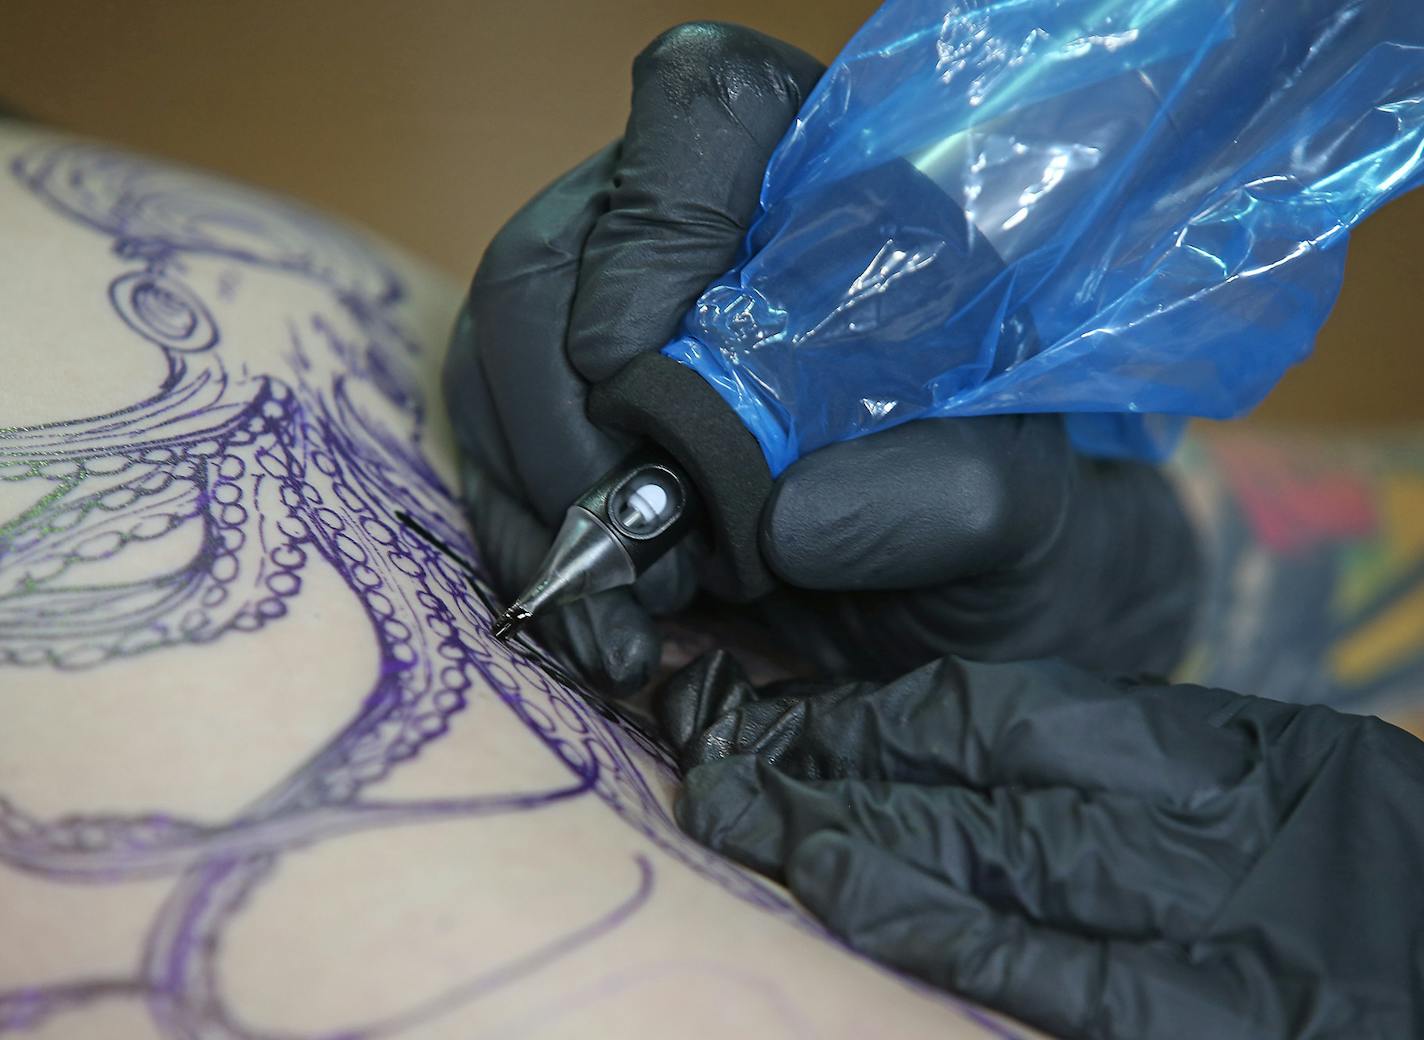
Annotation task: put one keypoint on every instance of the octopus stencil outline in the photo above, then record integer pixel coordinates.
(267, 477)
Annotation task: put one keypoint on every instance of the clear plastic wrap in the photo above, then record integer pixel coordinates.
(1129, 210)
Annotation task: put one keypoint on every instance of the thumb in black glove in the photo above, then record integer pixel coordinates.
(986, 537)
(1100, 860)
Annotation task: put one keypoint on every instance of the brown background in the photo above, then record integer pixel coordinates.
(431, 120)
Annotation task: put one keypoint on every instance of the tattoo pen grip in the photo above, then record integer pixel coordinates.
(717, 480)
(617, 529)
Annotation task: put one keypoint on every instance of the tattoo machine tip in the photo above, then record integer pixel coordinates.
(508, 624)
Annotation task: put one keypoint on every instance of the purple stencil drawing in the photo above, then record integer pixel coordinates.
(315, 462)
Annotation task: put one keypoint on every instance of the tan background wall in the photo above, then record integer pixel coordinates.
(431, 120)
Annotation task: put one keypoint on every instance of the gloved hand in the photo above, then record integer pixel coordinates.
(986, 537)
(1098, 859)
(599, 268)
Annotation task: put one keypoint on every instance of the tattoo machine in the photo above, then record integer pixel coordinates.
(1126, 211)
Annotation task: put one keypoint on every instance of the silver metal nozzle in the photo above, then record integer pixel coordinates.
(509, 624)
(586, 558)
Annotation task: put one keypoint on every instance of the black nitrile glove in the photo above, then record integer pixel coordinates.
(1098, 859)
(985, 537)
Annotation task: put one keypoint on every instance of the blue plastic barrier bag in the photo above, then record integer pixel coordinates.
(1129, 210)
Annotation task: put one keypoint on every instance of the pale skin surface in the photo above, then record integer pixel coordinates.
(263, 772)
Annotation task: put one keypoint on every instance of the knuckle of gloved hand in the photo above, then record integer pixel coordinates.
(702, 59)
(547, 233)
(691, 54)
